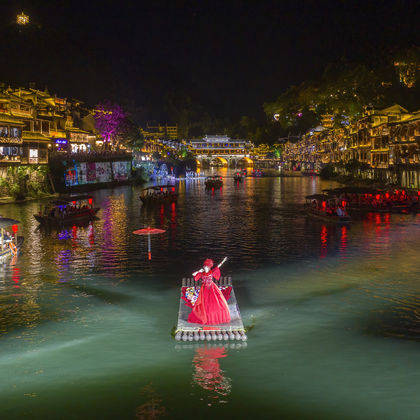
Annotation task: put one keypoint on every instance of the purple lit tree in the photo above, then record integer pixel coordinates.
(109, 120)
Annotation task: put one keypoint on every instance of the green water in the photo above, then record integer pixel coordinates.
(86, 318)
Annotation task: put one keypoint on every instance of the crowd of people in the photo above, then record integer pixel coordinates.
(61, 212)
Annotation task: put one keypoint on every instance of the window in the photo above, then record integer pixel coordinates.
(45, 127)
(4, 131)
(15, 132)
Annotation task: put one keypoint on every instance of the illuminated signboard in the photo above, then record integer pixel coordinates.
(60, 141)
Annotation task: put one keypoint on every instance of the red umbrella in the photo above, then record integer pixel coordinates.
(149, 231)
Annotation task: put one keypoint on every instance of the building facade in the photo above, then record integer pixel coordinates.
(386, 142)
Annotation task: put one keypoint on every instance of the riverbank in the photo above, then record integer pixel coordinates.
(12, 200)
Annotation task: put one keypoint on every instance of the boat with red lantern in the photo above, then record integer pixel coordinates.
(10, 242)
(67, 210)
(214, 181)
(327, 208)
(238, 177)
(256, 173)
(158, 194)
(366, 199)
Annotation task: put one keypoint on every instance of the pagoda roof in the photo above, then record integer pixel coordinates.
(394, 109)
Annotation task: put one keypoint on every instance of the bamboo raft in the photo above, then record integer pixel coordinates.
(186, 331)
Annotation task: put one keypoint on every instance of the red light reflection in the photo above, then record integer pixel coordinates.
(324, 241)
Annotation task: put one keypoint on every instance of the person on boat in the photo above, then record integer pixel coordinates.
(339, 212)
(210, 307)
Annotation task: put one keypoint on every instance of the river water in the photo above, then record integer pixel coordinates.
(86, 318)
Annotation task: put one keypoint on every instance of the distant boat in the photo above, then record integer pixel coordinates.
(214, 181)
(327, 208)
(68, 210)
(158, 194)
(238, 177)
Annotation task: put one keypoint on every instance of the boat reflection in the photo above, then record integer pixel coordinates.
(207, 372)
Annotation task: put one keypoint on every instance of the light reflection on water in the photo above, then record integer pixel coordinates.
(85, 317)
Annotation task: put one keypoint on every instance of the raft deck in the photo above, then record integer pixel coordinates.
(186, 331)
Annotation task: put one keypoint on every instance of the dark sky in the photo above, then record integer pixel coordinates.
(229, 56)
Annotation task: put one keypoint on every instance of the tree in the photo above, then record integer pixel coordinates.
(109, 120)
(129, 135)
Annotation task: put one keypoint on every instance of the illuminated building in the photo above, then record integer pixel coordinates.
(221, 148)
(160, 132)
(22, 19)
(408, 72)
(386, 142)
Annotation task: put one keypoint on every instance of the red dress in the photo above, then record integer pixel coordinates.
(211, 307)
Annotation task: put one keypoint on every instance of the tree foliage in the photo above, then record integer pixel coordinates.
(343, 92)
(109, 121)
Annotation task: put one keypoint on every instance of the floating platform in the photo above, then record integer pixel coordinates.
(186, 331)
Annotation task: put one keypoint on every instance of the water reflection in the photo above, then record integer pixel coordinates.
(326, 295)
(208, 374)
(152, 408)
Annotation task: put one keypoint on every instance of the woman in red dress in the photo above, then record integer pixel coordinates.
(210, 307)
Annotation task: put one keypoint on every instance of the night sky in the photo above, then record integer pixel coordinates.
(228, 56)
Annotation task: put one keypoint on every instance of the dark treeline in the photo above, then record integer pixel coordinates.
(343, 92)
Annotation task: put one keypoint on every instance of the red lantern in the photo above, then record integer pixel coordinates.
(173, 189)
(161, 189)
(324, 204)
(74, 203)
(418, 192)
(378, 196)
(343, 203)
(90, 201)
(15, 228)
(387, 195)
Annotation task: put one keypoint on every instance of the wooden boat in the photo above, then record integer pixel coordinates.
(328, 208)
(214, 181)
(10, 243)
(68, 210)
(367, 199)
(158, 194)
(186, 331)
(257, 173)
(238, 177)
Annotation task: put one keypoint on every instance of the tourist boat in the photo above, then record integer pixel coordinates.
(186, 331)
(238, 177)
(327, 208)
(67, 210)
(158, 194)
(10, 243)
(367, 199)
(257, 173)
(214, 181)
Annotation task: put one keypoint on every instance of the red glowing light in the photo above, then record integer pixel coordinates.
(74, 203)
(378, 196)
(324, 204)
(387, 195)
(161, 189)
(343, 203)
(90, 201)
(173, 189)
(15, 228)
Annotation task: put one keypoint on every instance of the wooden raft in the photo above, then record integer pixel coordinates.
(186, 331)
